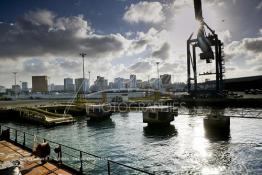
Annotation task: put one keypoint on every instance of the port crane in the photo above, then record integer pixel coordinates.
(211, 51)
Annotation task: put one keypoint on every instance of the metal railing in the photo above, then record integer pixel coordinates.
(78, 160)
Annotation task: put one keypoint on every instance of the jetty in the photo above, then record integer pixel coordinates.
(38, 115)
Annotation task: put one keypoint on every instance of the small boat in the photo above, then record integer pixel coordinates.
(98, 112)
(159, 115)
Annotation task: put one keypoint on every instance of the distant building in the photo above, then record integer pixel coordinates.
(139, 84)
(82, 85)
(155, 83)
(111, 85)
(119, 83)
(39, 84)
(179, 87)
(100, 83)
(236, 84)
(16, 89)
(126, 83)
(132, 81)
(25, 87)
(165, 79)
(69, 85)
(2, 90)
(145, 85)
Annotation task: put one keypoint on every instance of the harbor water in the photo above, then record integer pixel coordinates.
(184, 147)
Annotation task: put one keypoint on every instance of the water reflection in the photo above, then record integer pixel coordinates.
(165, 131)
(214, 134)
(108, 123)
(217, 126)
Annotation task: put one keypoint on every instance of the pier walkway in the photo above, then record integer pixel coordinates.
(39, 115)
(71, 160)
(29, 165)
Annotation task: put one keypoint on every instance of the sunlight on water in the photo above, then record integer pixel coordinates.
(211, 170)
(200, 143)
(185, 147)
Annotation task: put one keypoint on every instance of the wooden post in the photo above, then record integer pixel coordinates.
(15, 135)
(81, 163)
(108, 167)
(24, 140)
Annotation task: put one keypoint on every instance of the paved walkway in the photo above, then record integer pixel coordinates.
(29, 164)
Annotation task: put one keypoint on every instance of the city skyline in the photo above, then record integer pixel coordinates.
(121, 38)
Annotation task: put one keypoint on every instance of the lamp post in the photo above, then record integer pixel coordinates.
(83, 57)
(15, 83)
(157, 63)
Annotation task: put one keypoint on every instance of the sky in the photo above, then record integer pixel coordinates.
(122, 37)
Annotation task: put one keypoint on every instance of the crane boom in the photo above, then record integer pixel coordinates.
(198, 10)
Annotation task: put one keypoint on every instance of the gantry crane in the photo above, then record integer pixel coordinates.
(211, 50)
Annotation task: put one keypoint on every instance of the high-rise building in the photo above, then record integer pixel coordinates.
(126, 83)
(111, 85)
(69, 85)
(24, 87)
(101, 83)
(119, 83)
(82, 85)
(39, 84)
(132, 81)
(16, 89)
(2, 89)
(165, 79)
(155, 83)
(139, 83)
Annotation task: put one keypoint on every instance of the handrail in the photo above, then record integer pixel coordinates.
(81, 153)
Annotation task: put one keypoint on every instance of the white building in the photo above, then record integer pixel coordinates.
(132, 81)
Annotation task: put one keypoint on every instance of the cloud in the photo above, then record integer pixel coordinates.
(41, 33)
(253, 45)
(34, 66)
(259, 6)
(163, 52)
(141, 67)
(146, 12)
(225, 36)
(246, 53)
(40, 17)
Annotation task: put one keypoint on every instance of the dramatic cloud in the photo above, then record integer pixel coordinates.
(163, 52)
(141, 67)
(41, 33)
(35, 66)
(244, 55)
(147, 12)
(253, 45)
